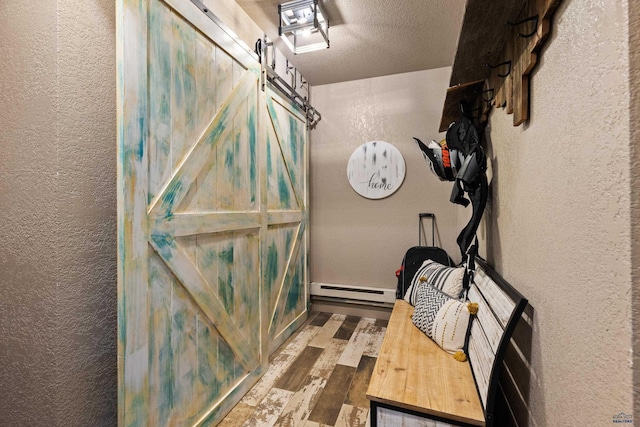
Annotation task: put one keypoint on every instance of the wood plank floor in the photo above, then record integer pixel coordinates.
(319, 377)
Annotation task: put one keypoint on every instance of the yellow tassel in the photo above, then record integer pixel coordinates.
(460, 356)
(472, 307)
(423, 279)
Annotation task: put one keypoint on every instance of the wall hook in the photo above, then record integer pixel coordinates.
(500, 65)
(491, 91)
(535, 26)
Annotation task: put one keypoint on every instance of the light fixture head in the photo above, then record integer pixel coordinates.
(304, 27)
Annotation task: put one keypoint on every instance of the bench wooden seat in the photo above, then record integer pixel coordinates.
(413, 373)
(414, 379)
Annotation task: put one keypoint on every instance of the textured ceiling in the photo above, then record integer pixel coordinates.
(371, 38)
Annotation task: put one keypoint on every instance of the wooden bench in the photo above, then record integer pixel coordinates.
(414, 380)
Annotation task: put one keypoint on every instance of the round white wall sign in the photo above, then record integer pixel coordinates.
(376, 170)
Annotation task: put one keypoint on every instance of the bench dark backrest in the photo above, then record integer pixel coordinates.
(500, 308)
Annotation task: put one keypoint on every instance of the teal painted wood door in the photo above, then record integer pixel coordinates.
(286, 245)
(212, 190)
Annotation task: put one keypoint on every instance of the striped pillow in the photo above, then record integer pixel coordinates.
(444, 319)
(445, 279)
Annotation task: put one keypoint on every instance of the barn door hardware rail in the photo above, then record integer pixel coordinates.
(288, 67)
(268, 71)
(481, 44)
(224, 27)
(288, 90)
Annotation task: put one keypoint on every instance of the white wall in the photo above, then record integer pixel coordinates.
(358, 241)
(558, 224)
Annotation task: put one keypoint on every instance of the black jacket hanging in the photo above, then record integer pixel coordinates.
(478, 202)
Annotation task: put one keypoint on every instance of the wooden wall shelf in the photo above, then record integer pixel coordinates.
(464, 92)
(483, 36)
(487, 39)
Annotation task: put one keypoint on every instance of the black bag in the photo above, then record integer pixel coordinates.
(471, 178)
(462, 135)
(416, 255)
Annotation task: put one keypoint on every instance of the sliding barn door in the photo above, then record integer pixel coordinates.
(286, 243)
(212, 217)
(191, 216)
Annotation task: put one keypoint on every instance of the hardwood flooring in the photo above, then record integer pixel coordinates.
(319, 377)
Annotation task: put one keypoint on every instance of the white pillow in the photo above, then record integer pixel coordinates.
(446, 279)
(443, 319)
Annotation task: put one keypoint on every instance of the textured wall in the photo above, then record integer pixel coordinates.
(634, 73)
(86, 308)
(357, 241)
(28, 238)
(57, 192)
(558, 225)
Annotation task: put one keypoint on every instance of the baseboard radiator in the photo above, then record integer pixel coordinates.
(349, 294)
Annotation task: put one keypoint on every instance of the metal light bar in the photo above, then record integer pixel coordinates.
(304, 27)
